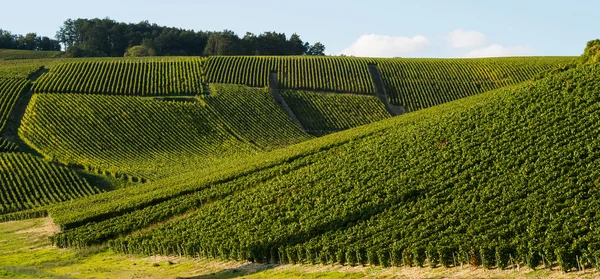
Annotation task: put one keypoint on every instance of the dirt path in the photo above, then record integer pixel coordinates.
(381, 93)
(274, 89)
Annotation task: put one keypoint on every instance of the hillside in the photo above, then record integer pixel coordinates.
(253, 114)
(421, 83)
(155, 76)
(509, 175)
(13, 54)
(29, 182)
(104, 134)
(213, 122)
(298, 160)
(324, 113)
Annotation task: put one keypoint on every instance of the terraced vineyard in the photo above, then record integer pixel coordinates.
(253, 115)
(10, 89)
(446, 176)
(422, 83)
(29, 182)
(104, 134)
(311, 73)
(12, 54)
(145, 77)
(322, 113)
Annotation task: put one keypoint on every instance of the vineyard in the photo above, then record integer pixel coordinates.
(13, 54)
(311, 73)
(422, 83)
(214, 165)
(29, 182)
(18, 71)
(470, 182)
(412, 83)
(103, 134)
(322, 113)
(9, 93)
(140, 77)
(7, 146)
(253, 115)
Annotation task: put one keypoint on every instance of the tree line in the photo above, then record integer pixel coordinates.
(30, 41)
(107, 37)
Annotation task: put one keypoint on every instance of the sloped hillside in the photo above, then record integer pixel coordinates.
(253, 114)
(29, 182)
(147, 77)
(126, 135)
(324, 113)
(13, 54)
(144, 139)
(421, 83)
(510, 174)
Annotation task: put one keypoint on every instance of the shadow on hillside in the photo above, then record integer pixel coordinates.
(247, 269)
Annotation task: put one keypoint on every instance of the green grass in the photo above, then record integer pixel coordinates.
(25, 253)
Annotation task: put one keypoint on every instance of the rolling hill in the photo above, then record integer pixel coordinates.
(506, 175)
(299, 160)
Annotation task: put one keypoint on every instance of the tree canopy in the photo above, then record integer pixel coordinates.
(30, 41)
(107, 37)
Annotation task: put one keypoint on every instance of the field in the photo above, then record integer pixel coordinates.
(14, 54)
(306, 223)
(26, 253)
(323, 113)
(295, 166)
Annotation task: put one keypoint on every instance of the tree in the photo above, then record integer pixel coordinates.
(296, 46)
(591, 54)
(140, 51)
(67, 34)
(316, 49)
(106, 37)
(223, 43)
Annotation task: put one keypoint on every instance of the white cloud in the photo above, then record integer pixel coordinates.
(466, 39)
(386, 46)
(496, 50)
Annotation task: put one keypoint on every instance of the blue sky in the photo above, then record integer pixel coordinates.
(424, 28)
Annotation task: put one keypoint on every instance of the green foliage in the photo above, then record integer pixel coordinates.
(18, 71)
(13, 54)
(140, 51)
(253, 114)
(294, 72)
(591, 54)
(127, 137)
(10, 89)
(29, 182)
(146, 77)
(8, 146)
(514, 166)
(421, 83)
(322, 113)
(412, 83)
